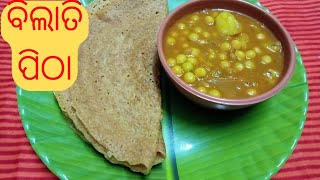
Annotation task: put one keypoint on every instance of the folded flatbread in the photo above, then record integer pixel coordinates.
(116, 102)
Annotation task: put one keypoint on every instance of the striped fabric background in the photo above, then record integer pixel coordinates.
(302, 20)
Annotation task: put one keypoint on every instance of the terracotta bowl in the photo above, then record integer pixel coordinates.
(247, 9)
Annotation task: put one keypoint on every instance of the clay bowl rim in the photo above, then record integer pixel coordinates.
(228, 101)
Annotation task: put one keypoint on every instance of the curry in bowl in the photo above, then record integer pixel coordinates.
(224, 54)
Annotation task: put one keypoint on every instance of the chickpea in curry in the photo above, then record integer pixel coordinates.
(224, 54)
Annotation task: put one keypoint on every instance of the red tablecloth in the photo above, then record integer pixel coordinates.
(302, 20)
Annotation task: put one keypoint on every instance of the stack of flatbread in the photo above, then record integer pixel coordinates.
(116, 102)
